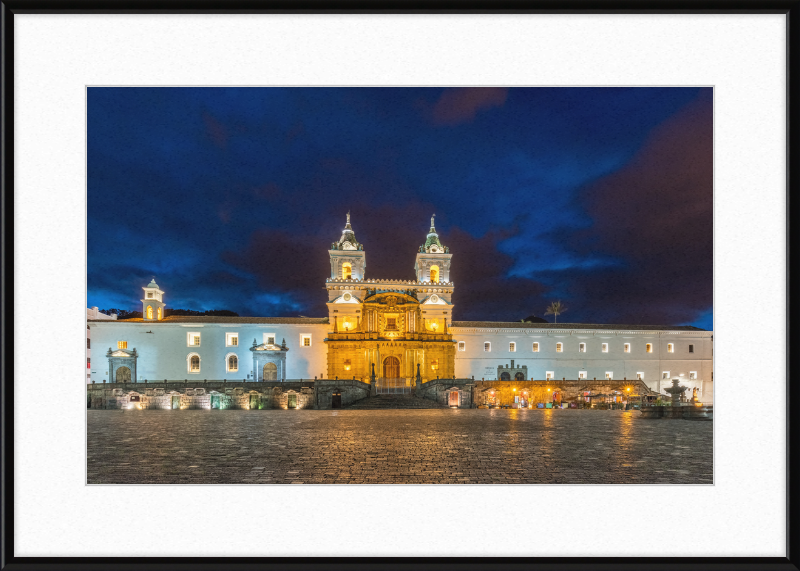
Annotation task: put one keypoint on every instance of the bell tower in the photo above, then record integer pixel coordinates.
(348, 261)
(152, 304)
(433, 259)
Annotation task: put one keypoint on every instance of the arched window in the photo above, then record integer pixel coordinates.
(347, 271)
(193, 362)
(149, 312)
(233, 363)
(435, 274)
(159, 313)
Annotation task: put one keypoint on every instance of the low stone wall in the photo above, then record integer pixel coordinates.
(499, 393)
(441, 391)
(178, 395)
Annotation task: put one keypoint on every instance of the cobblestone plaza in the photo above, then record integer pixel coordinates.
(445, 446)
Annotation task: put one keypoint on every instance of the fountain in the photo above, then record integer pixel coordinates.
(692, 410)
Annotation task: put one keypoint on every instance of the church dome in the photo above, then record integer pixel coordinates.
(348, 240)
(152, 283)
(433, 244)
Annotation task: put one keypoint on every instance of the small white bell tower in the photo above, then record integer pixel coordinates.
(152, 304)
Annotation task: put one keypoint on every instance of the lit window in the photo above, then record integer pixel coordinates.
(269, 338)
(640, 376)
(122, 344)
(692, 375)
(347, 271)
(691, 348)
(391, 323)
(435, 274)
(159, 313)
(582, 348)
(670, 348)
(535, 347)
(231, 339)
(605, 348)
(347, 364)
(582, 374)
(149, 312)
(193, 339)
(626, 348)
(609, 374)
(559, 347)
(549, 375)
(487, 347)
(665, 375)
(462, 346)
(512, 347)
(149, 295)
(233, 363)
(88, 363)
(435, 364)
(194, 363)
(305, 340)
(649, 348)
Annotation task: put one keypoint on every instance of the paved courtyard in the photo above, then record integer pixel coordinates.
(469, 446)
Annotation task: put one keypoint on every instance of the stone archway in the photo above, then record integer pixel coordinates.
(391, 368)
(505, 376)
(123, 375)
(270, 372)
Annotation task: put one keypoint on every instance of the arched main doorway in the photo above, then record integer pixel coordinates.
(123, 375)
(391, 368)
(519, 377)
(270, 372)
(505, 376)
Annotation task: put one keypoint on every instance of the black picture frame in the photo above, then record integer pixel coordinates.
(8, 9)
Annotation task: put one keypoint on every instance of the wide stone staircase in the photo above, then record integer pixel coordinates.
(393, 402)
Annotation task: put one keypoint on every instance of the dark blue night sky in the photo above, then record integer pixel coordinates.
(231, 197)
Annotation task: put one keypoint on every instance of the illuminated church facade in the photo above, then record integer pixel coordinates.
(395, 329)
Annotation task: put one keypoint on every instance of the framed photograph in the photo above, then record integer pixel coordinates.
(575, 217)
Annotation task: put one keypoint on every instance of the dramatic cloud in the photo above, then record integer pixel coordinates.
(460, 105)
(655, 215)
(216, 130)
(231, 197)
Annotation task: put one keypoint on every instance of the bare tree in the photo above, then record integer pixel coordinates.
(555, 309)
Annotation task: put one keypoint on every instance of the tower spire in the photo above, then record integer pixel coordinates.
(347, 226)
(433, 229)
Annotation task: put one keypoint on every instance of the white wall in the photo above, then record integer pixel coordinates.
(474, 361)
(163, 353)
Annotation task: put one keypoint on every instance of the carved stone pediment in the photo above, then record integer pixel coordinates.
(268, 347)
